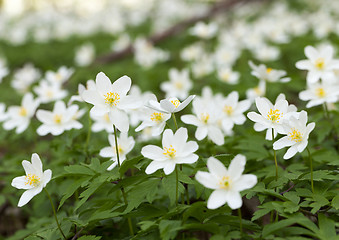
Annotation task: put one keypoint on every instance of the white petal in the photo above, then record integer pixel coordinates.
(28, 195)
(169, 167)
(93, 97)
(184, 103)
(290, 152)
(283, 142)
(21, 183)
(237, 166)
(103, 84)
(107, 152)
(188, 159)
(119, 119)
(36, 163)
(201, 133)
(216, 135)
(47, 175)
(29, 169)
(153, 152)
(190, 119)
(154, 166)
(246, 181)
(234, 200)
(216, 168)
(122, 85)
(167, 105)
(207, 179)
(217, 199)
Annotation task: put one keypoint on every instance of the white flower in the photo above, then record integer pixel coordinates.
(206, 118)
(175, 150)
(179, 84)
(125, 145)
(59, 120)
(271, 116)
(24, 77)
(3, 114)
(232, 111)
(48, 92)
(264, 52)
(90, 85)
(170, 105)
(227, 183)
(319, 93)
(3, 70)
(226, 75)
(101, 123)
(320, 63)
(255, 92)
(34, 181)
(60, 76)
(121, 43)
(112, 99)
(19, 117)
(203, 66)
(297, 135)
(84, 55)
(204, 30)
(192, 52)
(268, 74)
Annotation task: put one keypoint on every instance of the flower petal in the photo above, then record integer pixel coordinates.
(154, 166)
(153, 152)
(237, 167)
(207, 179)
(216, 168)
(246, 181)
(28, 195)
(21, 183)
(217, 199)
(122, 85)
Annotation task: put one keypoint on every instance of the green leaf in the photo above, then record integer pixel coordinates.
(129, 163)
(260, 213)
(273, 227)
(89, 237)
(335, 202)
(79, 170)
(169, 184)
(207, 227)
(320, 175)
(293, 197)
(319, 201)
(326, 228)
(169, 228)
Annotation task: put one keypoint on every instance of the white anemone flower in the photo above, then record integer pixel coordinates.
(179, 84)
(125, 145)
(270, 117)
(34, 181)
(258, 91)
(227, 183)
(204, 30)
(319, 93)
(90, 85)
(24, 77)
(320, 63)
(175, 150)
(227, 75)
(60, 76)
(268, 74)
(206, 119)
(101, 123)
(112, 99)
(170, 105)
(84, 55)
(48, 92)
(19, 117)
(297, 135)
(59, 120)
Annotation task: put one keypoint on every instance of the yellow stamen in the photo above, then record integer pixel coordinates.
(57, 118)
(112, 98)
(157, 117)
(274, 115)
(257, 90)
(268, 70)
(228, 110)
(320, 92)
(170, 152)
(50, 93)
(179, 85)
(23, 112)
(120, 150)
(204, 117)
(176, 103)
(295, 135)
(225, 183)
(320, 63)
(32, 179)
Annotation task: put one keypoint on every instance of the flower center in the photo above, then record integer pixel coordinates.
(268, 70)
(320, 92)
(179, 85)
(50, 93)
(157, 117)
(120, 150)
(112, 98)
(23, 112)
(320, 63)
(32, 179)
(295, 135)
(257, 90)
(225, 183)
(204, 117)
(228, 110)
(57, 118)
(274, 115)
(176, 103)
(170, 152)
(58, 77)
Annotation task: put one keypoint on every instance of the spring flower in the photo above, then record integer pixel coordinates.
(320, 63)
(3, 114)
(268, 74)
(84, 55)
(179, 84)
(101, 123)
(297, 135)
(60, 76)
(24, 77)
(125, 145)
(48, 92)
(258, 91)
(170, 105)
(271, 116)
(226, 75)
(34, 181)
(175, 150)
(192, 52)
(59, 120)
(227, 183)
(204, 30)
(90, 85)
(206, 119)
(112, 99)
(319, 93)
(19, 117)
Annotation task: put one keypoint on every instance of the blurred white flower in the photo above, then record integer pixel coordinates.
(268, 74)
(48, 92)
(204, 30)
(227, 75)
(3, 114)
(121, 43)
(255, 92)
(101, 123)
(84, 55)
(3, 70)
(179, 84)
(24, 77)
(60, 76)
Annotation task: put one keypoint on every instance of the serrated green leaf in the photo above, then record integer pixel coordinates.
(260, 213)
(335, 202)
(169, 184)
(293, 197)
(319, 175)
(79, 170)
(326, 228)
(128, 163)
(89, 237)
(169, 228)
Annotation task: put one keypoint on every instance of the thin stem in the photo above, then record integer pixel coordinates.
(116, 144)
(327, 115)
(89, 131)
(128, 219)
(187, 196)
(240, 220)
(275, 158)
(175, 121)
(176, 185)
(54, 212)
(311, 167)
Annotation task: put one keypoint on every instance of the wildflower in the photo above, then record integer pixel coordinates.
(170, 105)
(125, 145)
(24, 77)
(60, 76)
(227, 183)
(320, 63)
(19, 117)
(90, 85)
(34, 181)
(3, 114)
(268, 74)
(84, 55)
(179, 84)
(319, 93)
(226, 75)
(297, 135)
(175, 150)
(48, 92)
(59, 120)
(203, 30)
(112, 99)
(258, 91)
(101, 123)
(3, 70)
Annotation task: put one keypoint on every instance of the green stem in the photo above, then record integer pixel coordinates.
(175, 121)
(128, 219)
(176, 185)
(240, 220)
(54, 212)
(275, 157)
(327, 115)
(116, 144)
(311, 167)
